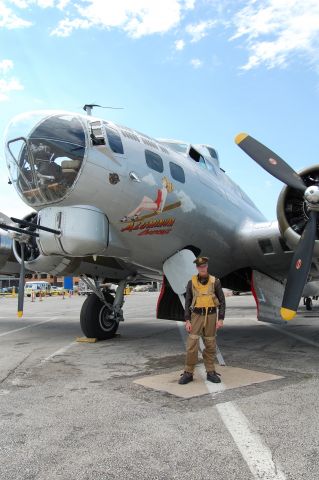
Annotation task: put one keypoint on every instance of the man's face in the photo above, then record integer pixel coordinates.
(203, 270)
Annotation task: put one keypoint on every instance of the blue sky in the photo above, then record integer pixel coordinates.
(196, 70)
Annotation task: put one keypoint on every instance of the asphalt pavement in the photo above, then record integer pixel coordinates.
(73, 410)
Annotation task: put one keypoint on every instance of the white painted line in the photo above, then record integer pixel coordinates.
(255, 453)
(293, 335)
(34, 317)
(253, 450)
(57, 317)
(61, 351)
(28, 326)
(219, 356)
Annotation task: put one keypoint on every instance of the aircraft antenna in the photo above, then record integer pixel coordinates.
(88, 107)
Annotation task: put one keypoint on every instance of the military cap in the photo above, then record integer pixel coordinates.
(201, 261)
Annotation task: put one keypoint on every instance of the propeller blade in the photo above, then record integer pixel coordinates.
(271, 162)
(21, 283)
(299, 269)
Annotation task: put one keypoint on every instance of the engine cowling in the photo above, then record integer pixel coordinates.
(293, 212)
(5, 252)
(36, 261)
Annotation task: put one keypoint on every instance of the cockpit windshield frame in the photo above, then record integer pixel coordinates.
(46, 165)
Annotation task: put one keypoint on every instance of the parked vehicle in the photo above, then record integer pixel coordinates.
(56, 290)
(43, 288)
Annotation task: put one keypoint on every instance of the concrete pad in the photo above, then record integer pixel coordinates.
(232, 377)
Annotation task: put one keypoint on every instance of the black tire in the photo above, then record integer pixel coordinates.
(308, 303)
(94, 318)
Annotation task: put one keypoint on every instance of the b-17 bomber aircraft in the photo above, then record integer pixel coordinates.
(114, 205)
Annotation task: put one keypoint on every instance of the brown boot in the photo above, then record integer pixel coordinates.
(186, 377)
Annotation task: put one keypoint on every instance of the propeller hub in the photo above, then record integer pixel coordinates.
(312, 196)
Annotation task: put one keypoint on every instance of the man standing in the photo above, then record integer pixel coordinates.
(203, 295)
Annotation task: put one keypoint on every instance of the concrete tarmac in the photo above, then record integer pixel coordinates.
(73, 411)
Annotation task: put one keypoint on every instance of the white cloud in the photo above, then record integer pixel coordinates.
(196, 63)
(62, 4)
(20, 3)
(5, 66)
(66, 26)
(8, 19)
(7, 84)
(200, 30)
(138, 18)
(45, 3)
(179, 44)
(189, 4)
(274, 30)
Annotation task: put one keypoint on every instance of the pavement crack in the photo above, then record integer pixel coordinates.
(13, 370)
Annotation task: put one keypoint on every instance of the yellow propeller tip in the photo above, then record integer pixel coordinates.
(20, 313)
(240, 137)
(287, 314)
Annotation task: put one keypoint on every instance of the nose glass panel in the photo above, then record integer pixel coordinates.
(45, 163)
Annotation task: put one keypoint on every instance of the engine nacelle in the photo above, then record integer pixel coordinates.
(5, 249)
(84, 231)
(53, 264)
(293, 212)
(7, 262)
(36, 261)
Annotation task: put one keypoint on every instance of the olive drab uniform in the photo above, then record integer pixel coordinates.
(201, 305)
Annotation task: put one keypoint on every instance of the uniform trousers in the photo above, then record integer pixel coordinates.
(206, 330)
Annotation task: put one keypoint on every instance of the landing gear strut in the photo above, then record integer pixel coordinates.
(101, 312)
(308, 302)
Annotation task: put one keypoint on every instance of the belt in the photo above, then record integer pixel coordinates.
(202, 310)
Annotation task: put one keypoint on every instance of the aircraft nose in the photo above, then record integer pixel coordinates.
(45, 153)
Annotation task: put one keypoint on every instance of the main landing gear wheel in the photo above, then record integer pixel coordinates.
(96, 319)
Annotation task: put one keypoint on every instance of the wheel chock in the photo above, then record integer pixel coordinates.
(86, 340)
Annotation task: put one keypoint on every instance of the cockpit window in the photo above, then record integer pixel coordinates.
(114, 140)
(212, 152)
(61, 127)
(45, 164)
(202, 162)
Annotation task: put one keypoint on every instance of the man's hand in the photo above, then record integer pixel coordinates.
(188, 326)
(219, 324)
